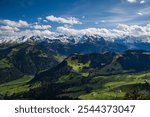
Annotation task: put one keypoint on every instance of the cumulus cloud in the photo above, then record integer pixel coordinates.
(131, 1)
(134, 30)
(19, 23)
(8, 28)
(89, 31)
(120, 31)
(136, 1)
(139, 13)
(142, 2)
(68, 20)
(11, 30)
(41, 27)
(42, 33)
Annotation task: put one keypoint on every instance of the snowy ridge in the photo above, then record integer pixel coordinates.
(77, 39)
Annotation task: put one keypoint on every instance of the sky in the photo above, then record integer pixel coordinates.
(46, 17)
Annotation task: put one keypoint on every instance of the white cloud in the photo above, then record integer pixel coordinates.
(134, 30)
(131, 1)
(41, 27)
(139, 13)
(42, 33)
(45, 21)
(145, 11)
(20, 23)
(10, 35)
(12, 30)
(136, 1)
(39, 18)
(8, 28)
(89, 31)
(120, 31)
(142, 2)
(68, 20)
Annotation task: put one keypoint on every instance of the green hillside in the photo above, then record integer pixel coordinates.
(116, 86)
(106, 75)
(25, 59)
(14, 87)
(74, 86)
(97, 76)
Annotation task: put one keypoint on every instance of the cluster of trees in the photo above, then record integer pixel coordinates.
(141, 92)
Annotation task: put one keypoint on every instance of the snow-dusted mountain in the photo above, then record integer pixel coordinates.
(65, 44)
(76, 39)
(62, 38)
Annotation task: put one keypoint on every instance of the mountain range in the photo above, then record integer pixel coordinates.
(84, 43)
(73, 67)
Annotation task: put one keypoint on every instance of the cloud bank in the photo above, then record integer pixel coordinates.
(11, 30)
(118, 32)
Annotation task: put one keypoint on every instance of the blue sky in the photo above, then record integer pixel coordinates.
(93, 13)
(73, 15)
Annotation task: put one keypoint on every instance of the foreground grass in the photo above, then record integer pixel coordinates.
(113, 87)
(17, 86)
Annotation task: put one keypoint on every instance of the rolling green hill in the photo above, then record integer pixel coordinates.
(99, 64)
(105, 75)
(25, 59)
(75, 86)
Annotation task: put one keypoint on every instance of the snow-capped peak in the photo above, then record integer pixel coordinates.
(76, 39)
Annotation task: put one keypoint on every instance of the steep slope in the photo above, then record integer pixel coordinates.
(26, 58)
